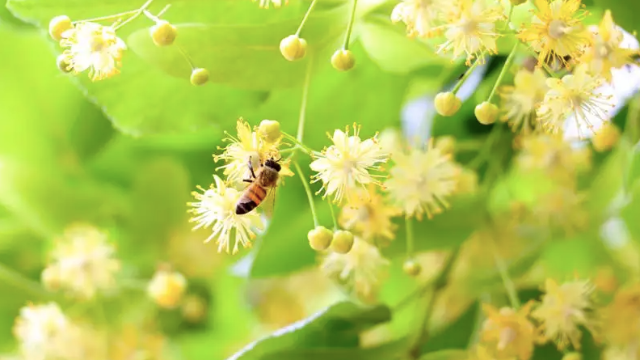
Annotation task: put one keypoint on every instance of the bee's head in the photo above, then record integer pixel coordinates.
(273, 164)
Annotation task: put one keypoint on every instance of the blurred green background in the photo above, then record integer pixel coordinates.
(125, 154)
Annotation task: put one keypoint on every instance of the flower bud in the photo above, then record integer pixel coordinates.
(517, 2)
(486, 113)
(572, 356)
(199, 76)
(320, 238)
(447, 103)
(58, 25)
(270, 130)
(411, 268)
(293, 48)
(166, 288)
(342, 242)
(51, 278)
(605, 138)
(163, 33)
(446, 144)
(194, 308)
(343, 60)
(63, 63)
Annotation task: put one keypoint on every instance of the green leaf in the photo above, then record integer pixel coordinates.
(390, 48)
(610, 180)
(7, 19)
(443, 231)
(335, 327)
(242, 56)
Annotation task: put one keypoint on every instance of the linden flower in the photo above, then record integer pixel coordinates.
(519, 101)
(94, 47)
(554, 156)
(420, 16)
(563, 309)
(508, 333)
(422, 180)
(248, 148)
(563, 209)
(556, 30)
(362, 269)
(606, 53)
(40, 331)
(82, 262)
(266, 3)
(346, 164)
(621, 318)
(369, 216)
(216, 208)
(166, 288)
(471, 29)
(576, 96)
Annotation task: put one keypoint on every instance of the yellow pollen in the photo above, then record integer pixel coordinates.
(557, 29)
(97, 43)
(507, 335)
(469, 26)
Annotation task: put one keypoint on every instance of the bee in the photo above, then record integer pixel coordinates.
(263, 181)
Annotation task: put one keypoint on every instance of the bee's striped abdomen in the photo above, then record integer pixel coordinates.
(251, 198)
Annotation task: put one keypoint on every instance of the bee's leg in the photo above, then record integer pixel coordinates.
(253, 174)
(247, 180)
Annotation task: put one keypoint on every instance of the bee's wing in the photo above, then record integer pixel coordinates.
(269, 203)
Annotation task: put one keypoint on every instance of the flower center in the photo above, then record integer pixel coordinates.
(557, 29)
(507, 335)
(469, 26)
(97, 43)
(603, 50)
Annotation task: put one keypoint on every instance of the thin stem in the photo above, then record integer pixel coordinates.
(409, 228)
(352, 20)
(506, 25)
(507, 65)
(303, 103)
(19, 281)
(298, 144)
(506, 279)
(486, 150)
(306, 16)
(135, 15)
(467, 73)
(186, 56)
(307, 189)
(439, 284)
(333, 216)
(108, 17)
(164, 10)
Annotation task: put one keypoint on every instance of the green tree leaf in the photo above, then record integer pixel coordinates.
(446, 355)
(623, 12)
(335, 327)
(391, 49)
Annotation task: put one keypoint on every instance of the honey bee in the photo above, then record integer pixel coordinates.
(263, 181)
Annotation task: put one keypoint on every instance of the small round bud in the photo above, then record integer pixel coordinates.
(58, 25)
(270, 130)
(605, 138)
(320, 238)
(293, 48)
(51, 278)
(447, 103)
(199, 76)
(343, 60)
(572, 356)
(194, 308)
(63, 63)
(446, 144)
(486, 113)
(342, 242)
(517, 2)
(163, 33)
(166, 288)
(411, 268)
